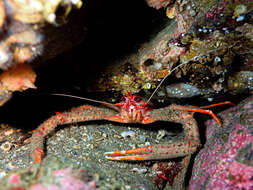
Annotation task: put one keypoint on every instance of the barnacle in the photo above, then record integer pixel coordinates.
(171, 12)
(241, 81)
(35, 11)
(149, 85)
(26, 11)
(25, 45)
(158, 3)
(18, 78)
(209, 59)
(240, 9)
(20, 23)
(20, 47)
(5, 96)
(2, 13)
(5, 56)
(161, 64)
(6, 146)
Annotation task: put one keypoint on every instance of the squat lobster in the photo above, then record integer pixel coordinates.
(132, 109)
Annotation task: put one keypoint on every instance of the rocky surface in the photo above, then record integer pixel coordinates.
(211, 46)
(82, 147)
(50, 178)
(208, 42)
(226, 161)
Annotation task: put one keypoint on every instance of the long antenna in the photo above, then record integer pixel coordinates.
(82, 98)
(163, 80)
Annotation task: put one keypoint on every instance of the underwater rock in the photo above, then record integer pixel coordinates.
(82, 146)
(226, 161)
(182, 90)
(11, 137)
(21, 23)
(49, 177)
(126, 134)
(207, 49)
(38, 11)
(158, 3)
(241, 81)
(18, 78)
(170, 175)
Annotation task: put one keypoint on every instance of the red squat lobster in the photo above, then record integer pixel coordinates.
(132, 109)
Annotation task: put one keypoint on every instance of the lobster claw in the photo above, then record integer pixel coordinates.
(156, 152)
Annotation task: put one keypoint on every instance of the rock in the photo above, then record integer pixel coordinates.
(182, 90)
(82, 147)
(226, 161)
(241, 81)
(158, 3)
(52, 176)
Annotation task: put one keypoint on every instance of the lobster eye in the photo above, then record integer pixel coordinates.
(137, 99)
(123, 99)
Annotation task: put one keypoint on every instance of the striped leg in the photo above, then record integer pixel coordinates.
(203, 109)
(165, 151)
(82, 113)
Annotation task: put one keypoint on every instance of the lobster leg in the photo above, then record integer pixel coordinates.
(200, 110)
(82, 113)
(156, 152)
(219, 104)
(209, 112)
(165, 151)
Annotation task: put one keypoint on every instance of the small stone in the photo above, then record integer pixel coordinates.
(240, 9)
(192, 12)
(6, 146)
(157, 66)
(140, 171)
(240, 18)
(217, 59)
(9, 132)
(2, 174)
(161, 134)
(142, 138)
(129, 133)
(10, 166)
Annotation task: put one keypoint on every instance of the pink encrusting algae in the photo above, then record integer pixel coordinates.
(14, 179)
(62, 179)
(226, 161)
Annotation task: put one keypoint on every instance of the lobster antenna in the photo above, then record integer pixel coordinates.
(163, 81)
(82, 98)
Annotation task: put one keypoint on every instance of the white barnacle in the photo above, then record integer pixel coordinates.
(148, 85)
(6, 146)
(129, 133)
(240, 18)
(217, 59)
(51, 18)
(75, 1)
(5, 56)
(250, 83)
(196, 58)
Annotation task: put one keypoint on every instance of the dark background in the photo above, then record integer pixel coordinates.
(112, 29)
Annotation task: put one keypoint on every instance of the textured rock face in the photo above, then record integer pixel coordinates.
(226, 161)
(52, 176)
